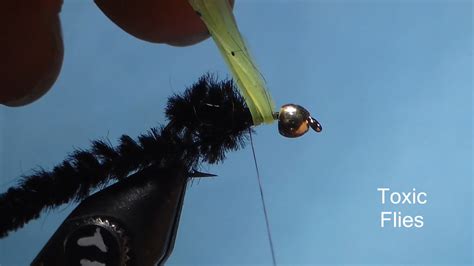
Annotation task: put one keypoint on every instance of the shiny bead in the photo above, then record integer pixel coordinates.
(294, 121)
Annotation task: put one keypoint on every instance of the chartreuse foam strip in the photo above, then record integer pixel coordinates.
(221, 23)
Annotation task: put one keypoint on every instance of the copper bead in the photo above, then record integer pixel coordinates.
(294, 121)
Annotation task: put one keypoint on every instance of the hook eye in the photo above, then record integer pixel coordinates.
(314, 124)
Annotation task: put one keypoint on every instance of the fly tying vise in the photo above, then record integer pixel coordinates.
(293, 120)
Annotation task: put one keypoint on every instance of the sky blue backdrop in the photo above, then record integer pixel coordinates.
(391, 82)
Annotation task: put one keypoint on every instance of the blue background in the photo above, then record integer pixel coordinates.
(391, 82)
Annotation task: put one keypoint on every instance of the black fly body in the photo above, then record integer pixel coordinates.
(206, 121)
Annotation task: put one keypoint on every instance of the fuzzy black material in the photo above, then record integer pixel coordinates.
(209, 119)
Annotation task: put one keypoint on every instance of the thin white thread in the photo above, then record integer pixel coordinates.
(263, 201)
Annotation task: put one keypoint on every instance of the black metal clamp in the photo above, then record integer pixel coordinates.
(133, 222)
